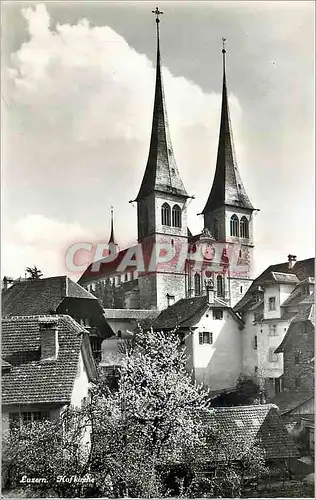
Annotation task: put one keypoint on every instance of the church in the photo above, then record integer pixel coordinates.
(174, 263)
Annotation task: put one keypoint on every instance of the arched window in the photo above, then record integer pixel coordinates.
(220, 286)
(216, 229)
(176, 216)
(244, 227)
(197, 284)
(234, 225)
(165, 215)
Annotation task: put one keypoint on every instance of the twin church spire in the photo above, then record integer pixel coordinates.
(227, 188)
(161, 172)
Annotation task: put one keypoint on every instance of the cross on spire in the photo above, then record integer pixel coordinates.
(157, 12)
(224, 43)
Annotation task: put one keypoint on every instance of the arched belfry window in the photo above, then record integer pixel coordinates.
(176, 216)
(234, 225)
(220, 286)
(197, 284)
(244, 227)
(165, 215)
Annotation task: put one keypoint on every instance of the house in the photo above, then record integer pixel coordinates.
(169, 263)
(235, 432)
(267, 310)
(58, 295)
(296, 402)
(47, 366)
(240, 428)
(211, 334)
(123, 321)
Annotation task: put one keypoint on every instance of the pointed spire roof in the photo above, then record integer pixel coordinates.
(227, 188)
(161, 172)
(112, 239)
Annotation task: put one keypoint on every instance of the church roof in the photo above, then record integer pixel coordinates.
(227, 188)
(161, 173)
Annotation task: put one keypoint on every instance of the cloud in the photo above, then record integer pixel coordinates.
(79, 128)
(42, 241)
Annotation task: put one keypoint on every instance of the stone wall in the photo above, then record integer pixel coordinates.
(298, 355)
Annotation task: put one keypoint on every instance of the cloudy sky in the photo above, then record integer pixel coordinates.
(77, 97)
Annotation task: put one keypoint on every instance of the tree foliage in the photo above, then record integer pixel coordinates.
(148, 436)
(33, 273)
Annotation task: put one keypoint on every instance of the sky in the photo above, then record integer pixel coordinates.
(77, 99)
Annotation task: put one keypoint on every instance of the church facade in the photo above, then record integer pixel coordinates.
(174, 263)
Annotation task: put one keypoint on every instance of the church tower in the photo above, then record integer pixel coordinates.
(161, 209)
(228, 213)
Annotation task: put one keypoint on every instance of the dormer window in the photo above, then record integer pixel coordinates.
(49, 340)
(272, 304)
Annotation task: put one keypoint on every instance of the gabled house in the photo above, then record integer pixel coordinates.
(47, 365)
(211, 334)
(58, 295)
(267, 309)
(242, 427)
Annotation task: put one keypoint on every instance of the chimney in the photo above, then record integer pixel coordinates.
(209, 285)
(170, 299)
(292, 260)
(49, 337)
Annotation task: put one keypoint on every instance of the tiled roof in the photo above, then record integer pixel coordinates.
(31, 380)
(107, 266)
(302, 269)
(41, 296)
(187, 312)
(294, 298)
(5, 364)
(134, 314)
(304, 314)
(308, 299)
(240, 427)
(284, 277)
(289, 400)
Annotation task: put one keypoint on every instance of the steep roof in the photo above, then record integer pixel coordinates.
(187, 312)
(227, 188)
(31, 380)
(289, 400)
(41, 296)
(305, 313)
(302, 269)
(161, 173)
(242, 427)
(108, 265)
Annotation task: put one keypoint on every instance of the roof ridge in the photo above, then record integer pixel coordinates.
(240, 407)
